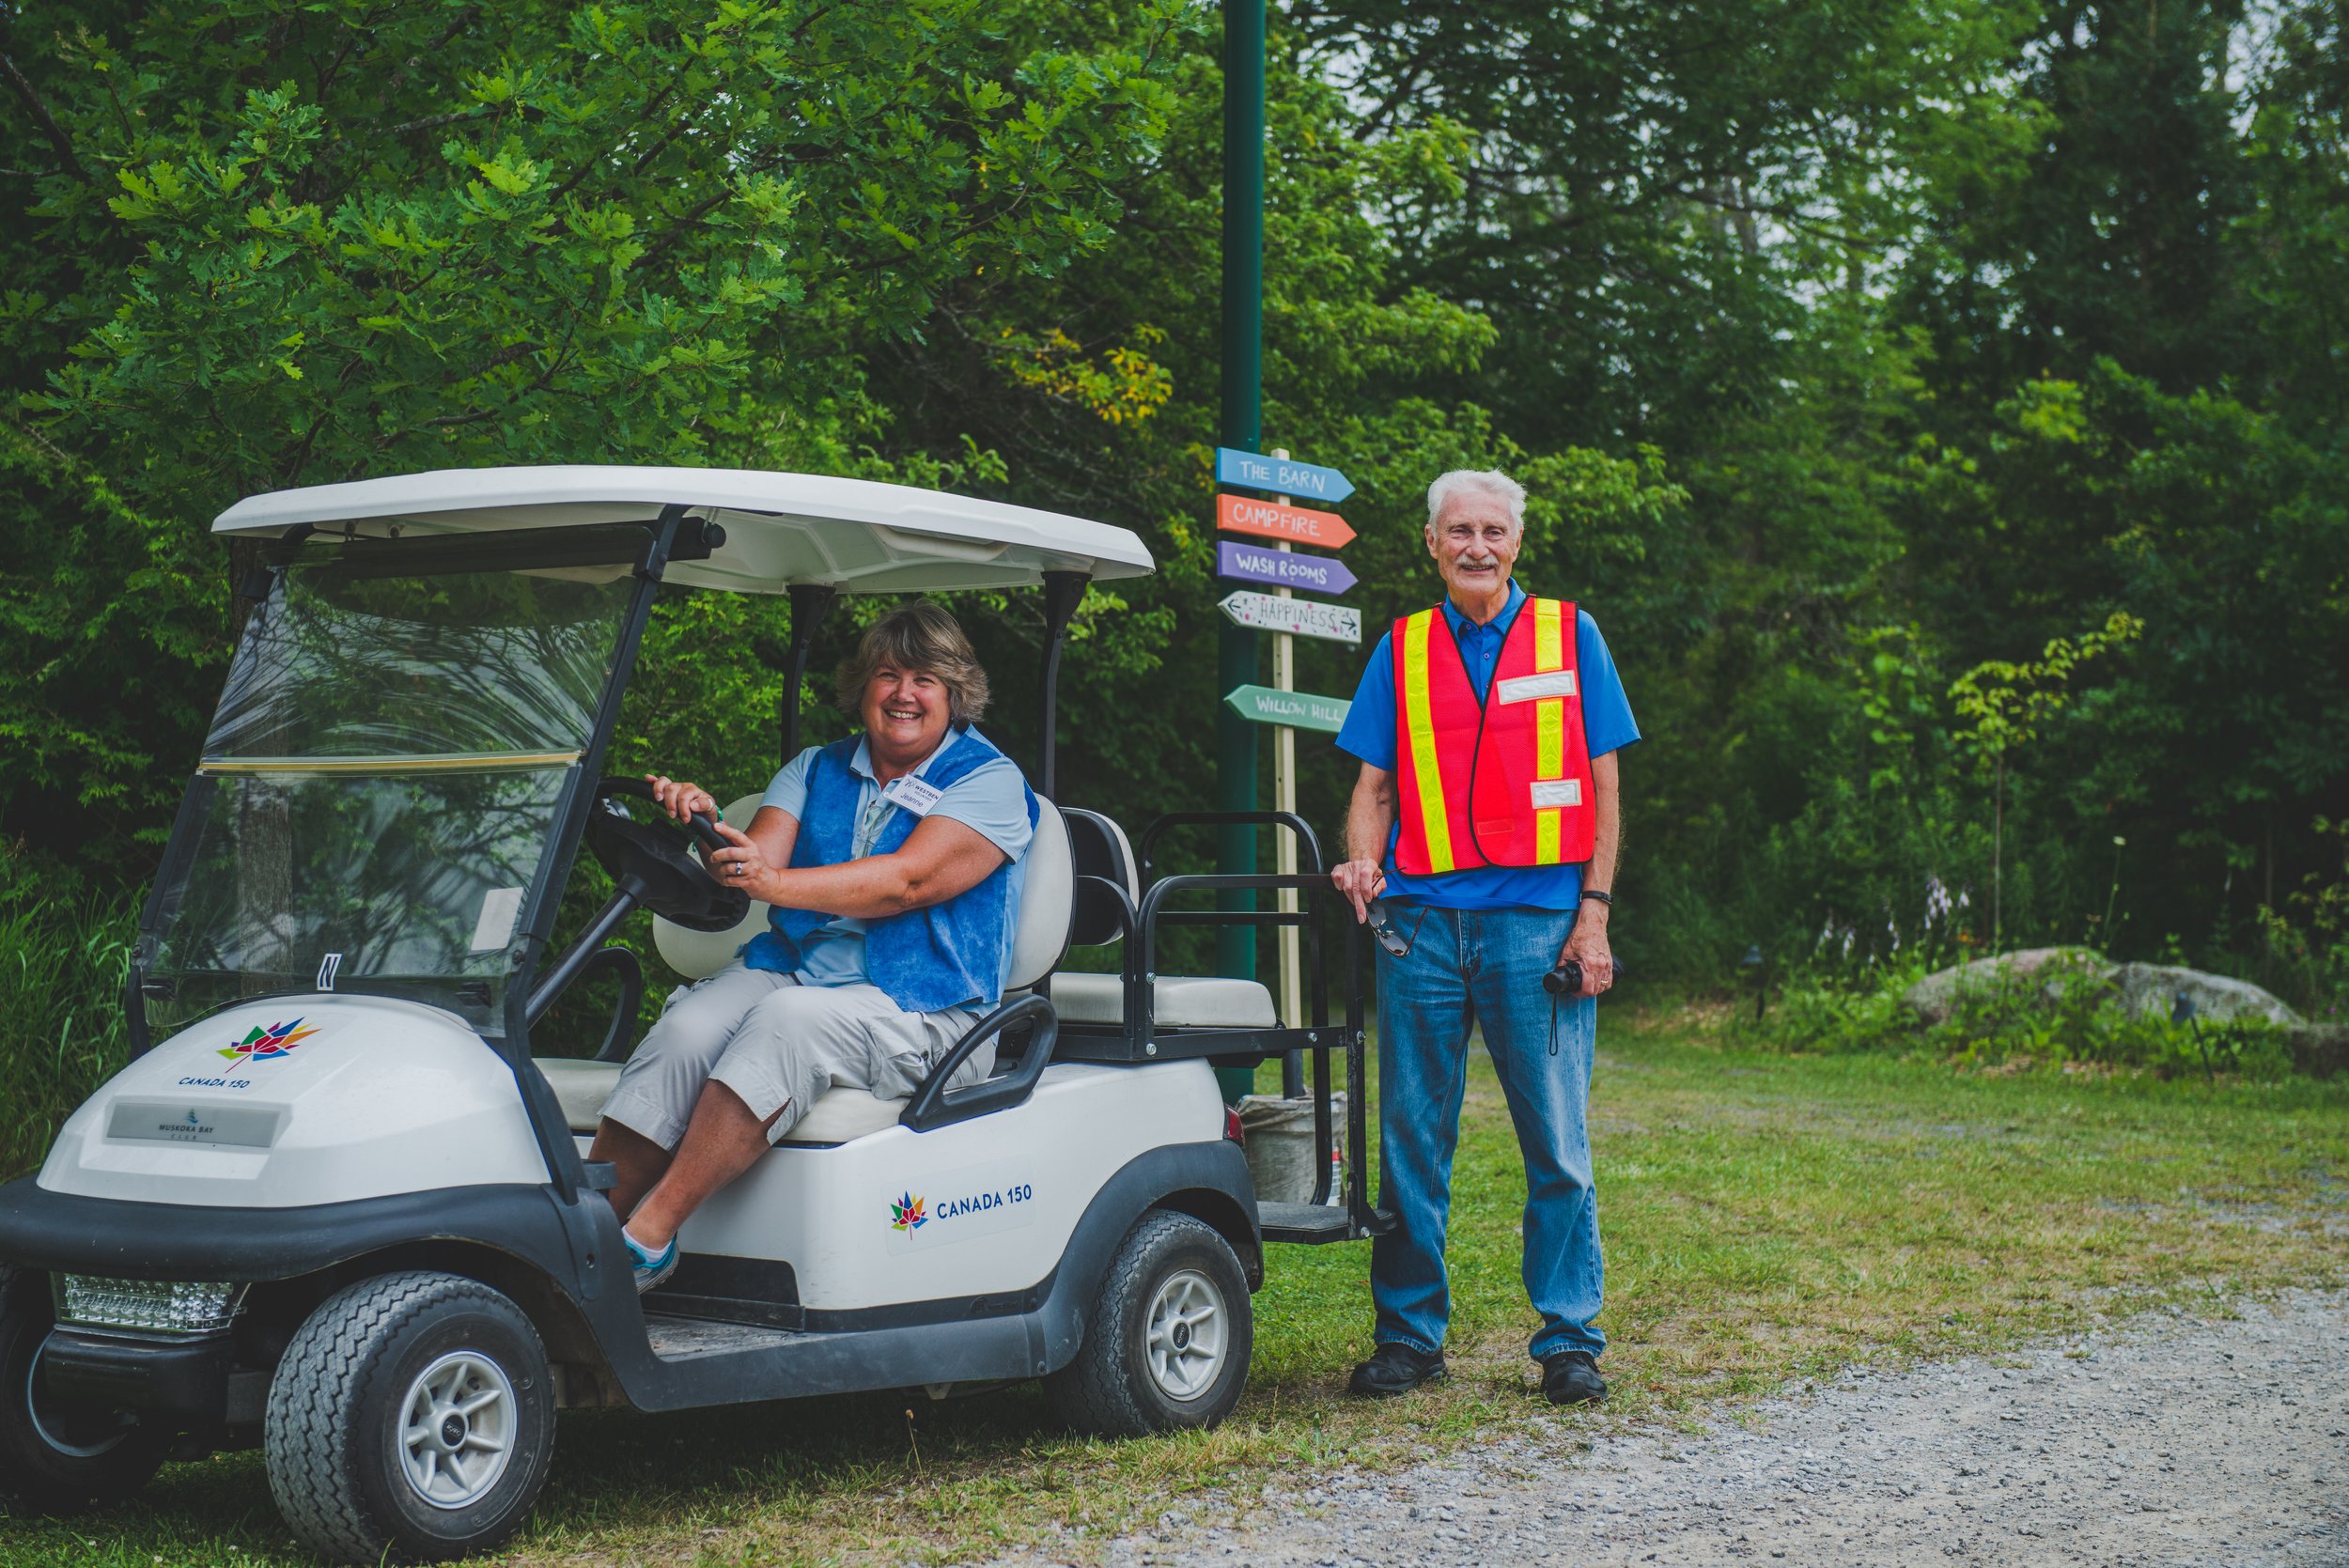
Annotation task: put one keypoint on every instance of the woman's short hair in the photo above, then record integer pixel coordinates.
(1489, 480)
(917, 636)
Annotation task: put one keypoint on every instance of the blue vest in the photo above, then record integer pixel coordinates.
(950, 955)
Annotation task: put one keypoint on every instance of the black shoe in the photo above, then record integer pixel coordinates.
(1396, 1369)
(1571, 1377)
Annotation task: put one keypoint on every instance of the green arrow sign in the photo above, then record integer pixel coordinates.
(1302, 710)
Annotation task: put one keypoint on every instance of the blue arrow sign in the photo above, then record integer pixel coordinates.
(1316, 574)
(1280, 475)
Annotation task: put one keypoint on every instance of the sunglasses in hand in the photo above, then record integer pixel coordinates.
(1382, 926)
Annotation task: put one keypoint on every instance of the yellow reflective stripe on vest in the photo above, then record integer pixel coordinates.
(1550, 637)
(1419, 733)
(1549, 713)
(1550, 718)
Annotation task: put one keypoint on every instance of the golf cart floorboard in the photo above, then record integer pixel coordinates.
(689, 1339)
(1301, 1223)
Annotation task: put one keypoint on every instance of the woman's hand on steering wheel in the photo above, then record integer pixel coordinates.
(741, 864)
(680, 799)
(737, 863)
(658, 864)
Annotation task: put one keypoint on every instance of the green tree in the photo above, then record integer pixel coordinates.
(1064, 376)
(2008, 705)
(345, 240)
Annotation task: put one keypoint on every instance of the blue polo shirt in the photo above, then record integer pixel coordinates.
(1607, 725)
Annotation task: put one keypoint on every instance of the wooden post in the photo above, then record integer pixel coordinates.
(1285, 798)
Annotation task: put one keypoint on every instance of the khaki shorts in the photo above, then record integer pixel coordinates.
(780, 1046)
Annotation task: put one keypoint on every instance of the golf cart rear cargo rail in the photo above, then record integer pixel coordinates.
(1308, 844)
(1140, 1038)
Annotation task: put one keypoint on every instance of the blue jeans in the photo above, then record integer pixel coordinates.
(1466, 967)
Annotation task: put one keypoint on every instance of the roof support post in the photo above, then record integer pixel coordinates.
(809, 601)
(1064, 591)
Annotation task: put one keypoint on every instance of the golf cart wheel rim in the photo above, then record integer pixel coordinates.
(456, 1429)
(1188, 1337)
(109, 1433)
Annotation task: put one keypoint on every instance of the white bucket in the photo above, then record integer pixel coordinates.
(1282, 1158)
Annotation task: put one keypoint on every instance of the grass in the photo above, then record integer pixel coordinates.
(1769, 1219)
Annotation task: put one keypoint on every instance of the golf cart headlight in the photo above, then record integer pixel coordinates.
(151, 1306)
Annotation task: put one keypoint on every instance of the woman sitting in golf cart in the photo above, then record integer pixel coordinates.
(893, 860)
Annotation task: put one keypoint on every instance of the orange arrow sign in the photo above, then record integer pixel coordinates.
(1301, 525)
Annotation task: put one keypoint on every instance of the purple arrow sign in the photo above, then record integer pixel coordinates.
(1316, 574)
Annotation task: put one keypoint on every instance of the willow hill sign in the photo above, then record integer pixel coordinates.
(1302, 710)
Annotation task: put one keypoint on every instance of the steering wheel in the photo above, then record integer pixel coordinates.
(655, 863)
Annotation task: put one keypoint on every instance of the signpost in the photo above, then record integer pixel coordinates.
(1241, 514)
(1251, 471)
(1266, 705)
(1295, 617)
(1281, 705)
(1316, 574)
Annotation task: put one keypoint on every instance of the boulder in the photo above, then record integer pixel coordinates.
(2141, 989)
(2153, 989)
(1933, 997)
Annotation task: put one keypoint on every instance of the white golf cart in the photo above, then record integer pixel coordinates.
(334, 1208)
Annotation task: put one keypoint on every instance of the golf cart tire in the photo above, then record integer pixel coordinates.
(339, 1397)
(1109, 1389)
(37, 1474)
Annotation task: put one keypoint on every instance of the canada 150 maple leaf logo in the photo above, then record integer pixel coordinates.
(268, 1045)
(906, 1214)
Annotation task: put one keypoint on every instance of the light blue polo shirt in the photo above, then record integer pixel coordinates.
(1369, 735)
(991, 799)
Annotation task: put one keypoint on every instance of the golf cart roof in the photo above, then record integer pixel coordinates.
(855, 534)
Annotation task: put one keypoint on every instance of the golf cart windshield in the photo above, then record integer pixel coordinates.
(384, 774)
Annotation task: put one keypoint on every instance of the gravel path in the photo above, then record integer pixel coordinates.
(2177, 1440)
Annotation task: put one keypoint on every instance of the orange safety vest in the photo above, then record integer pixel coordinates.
(1501, 781)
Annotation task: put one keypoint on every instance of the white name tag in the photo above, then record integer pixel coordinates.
(1557, 792)
(911, 794)
(1526, 689)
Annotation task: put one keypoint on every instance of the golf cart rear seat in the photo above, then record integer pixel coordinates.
(1102, 850)
(844, 1113)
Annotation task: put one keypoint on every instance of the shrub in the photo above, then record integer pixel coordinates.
(2051, 1020)
(2305, 956)
(64, 953)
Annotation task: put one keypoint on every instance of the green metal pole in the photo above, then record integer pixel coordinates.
(1243, 365)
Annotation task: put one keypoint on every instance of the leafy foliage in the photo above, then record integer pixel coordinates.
(1846, 351)
(64, 953)
(441, 235)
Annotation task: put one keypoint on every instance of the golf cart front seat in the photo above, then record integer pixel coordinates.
(1177, 1001)
(844, 1113)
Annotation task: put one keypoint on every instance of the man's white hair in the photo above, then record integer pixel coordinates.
(1489, 480)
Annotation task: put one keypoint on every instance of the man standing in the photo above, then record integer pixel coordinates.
(1485, 823)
